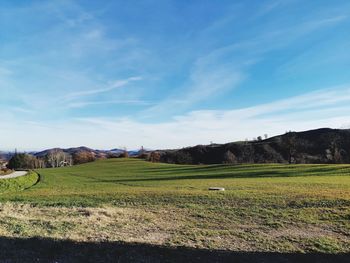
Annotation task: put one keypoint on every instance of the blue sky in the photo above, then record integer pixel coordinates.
(166, 74)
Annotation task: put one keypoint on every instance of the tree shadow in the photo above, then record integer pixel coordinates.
(62, 251)
(323, 169)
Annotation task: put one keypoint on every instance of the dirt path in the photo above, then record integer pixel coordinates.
(14, 175)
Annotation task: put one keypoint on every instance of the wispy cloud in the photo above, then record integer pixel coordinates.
(119, 102)
(115, 85)
(227, 67)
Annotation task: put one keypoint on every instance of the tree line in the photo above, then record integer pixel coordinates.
(53, 159)
(59, 158)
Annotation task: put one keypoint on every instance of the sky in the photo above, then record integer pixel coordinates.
(170, 73)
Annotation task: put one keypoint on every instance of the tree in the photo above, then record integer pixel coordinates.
(58, 158)
(335, 149)
(182, 157)
(248, 153)
(20, 161)
(124, 154)
(290, 141)
(17, 161)
(259, 138)
(142, 154)
(154, 157)
(229, 158)
(83, 157)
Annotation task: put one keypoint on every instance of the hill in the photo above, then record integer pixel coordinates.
(98, 154)
(314, 146)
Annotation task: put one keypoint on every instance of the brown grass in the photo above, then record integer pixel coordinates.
(168, 226)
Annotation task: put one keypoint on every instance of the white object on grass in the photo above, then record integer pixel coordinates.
(216, 189)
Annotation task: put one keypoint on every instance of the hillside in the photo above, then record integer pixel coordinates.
(314, 146)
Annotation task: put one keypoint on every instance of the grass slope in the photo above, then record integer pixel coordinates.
(18, 184)
(284, 208)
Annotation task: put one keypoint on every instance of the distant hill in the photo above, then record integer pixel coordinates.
(5, 156)
(314, 146)
(98, 154)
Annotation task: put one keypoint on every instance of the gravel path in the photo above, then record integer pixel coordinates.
(14, 175)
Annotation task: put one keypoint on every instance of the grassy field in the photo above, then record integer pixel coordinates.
(268, 207)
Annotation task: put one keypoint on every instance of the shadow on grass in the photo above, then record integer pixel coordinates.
(247, 168)
(49, 250)
(271, 174)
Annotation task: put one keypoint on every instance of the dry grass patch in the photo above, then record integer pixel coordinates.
(86, 224)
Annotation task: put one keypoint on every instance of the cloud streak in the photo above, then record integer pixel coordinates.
(120, 102)
(115, 85)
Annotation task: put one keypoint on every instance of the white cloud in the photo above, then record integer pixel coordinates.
(312, 110)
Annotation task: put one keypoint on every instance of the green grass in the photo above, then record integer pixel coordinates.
(267, 207)
(18, 184)
(135, 180)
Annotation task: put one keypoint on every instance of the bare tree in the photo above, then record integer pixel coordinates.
(58, 158)
(154, 157)
(248, 153)
(335, 149)
(125, 153)
(229, 157)
(290, 142)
